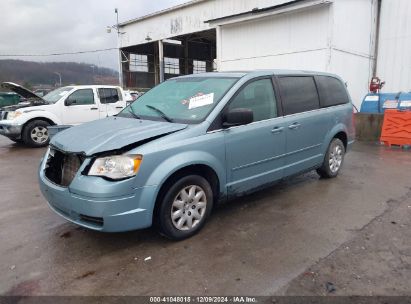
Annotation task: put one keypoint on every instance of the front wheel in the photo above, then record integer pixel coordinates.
(333, 160)
(35, 134)
(185, 207)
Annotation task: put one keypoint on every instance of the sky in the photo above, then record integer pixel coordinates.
(56, 26)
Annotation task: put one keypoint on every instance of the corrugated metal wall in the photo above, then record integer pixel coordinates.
(288, 41)
(394, 56)
(337, 38)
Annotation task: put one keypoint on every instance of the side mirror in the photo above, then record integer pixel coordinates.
(238, 117)
(68, 102)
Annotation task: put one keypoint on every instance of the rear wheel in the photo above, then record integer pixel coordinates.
(333, 160)
(185, 207)
(35, 134)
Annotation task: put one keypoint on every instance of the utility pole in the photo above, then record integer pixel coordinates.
(59, 75)
(120, 59)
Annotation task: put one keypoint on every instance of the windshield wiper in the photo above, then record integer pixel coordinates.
(162, 114)
(131, 111)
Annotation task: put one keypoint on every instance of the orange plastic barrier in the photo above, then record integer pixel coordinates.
(396, 128)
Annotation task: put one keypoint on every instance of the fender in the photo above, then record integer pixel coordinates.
(39, 114)
(179, 161)
(340, 127)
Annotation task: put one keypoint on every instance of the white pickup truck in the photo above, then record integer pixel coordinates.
(27, 121)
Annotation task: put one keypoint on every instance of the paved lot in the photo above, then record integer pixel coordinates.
(262, 244)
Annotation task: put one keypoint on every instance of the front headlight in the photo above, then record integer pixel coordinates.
(116, 166)
(14, 114)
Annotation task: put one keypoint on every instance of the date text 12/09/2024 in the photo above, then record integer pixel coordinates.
(203, 299)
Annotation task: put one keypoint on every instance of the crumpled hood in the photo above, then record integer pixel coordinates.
(111, 133)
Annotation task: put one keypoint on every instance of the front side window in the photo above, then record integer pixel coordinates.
(82, 97)
(259, 97)
(332, 91)
(187, 100)
(108, 95)
(299, 94)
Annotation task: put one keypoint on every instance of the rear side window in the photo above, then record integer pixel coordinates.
(332, 91)
(299, 94)
(108, 95)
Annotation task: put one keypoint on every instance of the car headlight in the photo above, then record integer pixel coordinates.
(116, 166)
(14, 114)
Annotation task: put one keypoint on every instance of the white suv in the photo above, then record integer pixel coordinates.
(27, 122)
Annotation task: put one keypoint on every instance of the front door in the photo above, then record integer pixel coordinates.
(254, 151)
(80, 106)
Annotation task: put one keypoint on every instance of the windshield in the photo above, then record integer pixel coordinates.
(184, 100)
(55, 95)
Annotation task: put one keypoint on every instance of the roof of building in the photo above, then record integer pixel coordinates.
(256, 11)
(173, 8)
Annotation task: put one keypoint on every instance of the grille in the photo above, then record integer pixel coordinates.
(61, 168)
(97, 221)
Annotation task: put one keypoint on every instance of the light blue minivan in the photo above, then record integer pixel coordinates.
(194, 141)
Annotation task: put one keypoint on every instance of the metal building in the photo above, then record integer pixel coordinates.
(355, 39)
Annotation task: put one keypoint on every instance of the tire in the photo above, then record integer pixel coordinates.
(35, 134)
(334, 159)
(184, 207)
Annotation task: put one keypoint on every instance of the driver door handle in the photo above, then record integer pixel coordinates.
(277, 130)
(294, 126)
(93, 108)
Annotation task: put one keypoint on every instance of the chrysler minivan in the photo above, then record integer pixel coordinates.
(192, 142)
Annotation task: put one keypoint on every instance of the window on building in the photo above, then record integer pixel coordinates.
(259, 97)
(109, 95)
(171, 65)
(199, 66)
(299, 94)
(332, 91)
(138, 63)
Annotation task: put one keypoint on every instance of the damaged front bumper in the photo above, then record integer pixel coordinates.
(99, 204)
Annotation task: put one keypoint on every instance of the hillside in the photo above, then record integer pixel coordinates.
(31, 73)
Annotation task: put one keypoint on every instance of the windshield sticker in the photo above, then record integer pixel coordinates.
(200, 100)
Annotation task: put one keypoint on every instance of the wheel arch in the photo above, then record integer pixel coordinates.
(48, 120)
(202, 170)
(343, 137)
(339, 131)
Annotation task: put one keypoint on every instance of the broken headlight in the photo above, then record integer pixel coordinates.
(116, 166)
